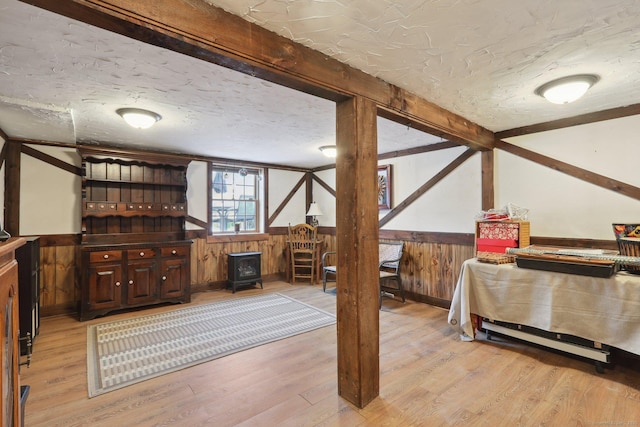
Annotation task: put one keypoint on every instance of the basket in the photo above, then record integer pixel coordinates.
(629, 246)
(626, 230)
(495, 258)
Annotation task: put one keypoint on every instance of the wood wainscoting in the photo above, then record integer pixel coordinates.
(59, 274)
(430, 265)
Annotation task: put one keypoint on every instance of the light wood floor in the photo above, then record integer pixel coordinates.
(428, 378)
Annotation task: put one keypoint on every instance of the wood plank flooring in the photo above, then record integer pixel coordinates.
(428, 378)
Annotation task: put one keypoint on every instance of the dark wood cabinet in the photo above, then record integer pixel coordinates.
(128, 275)
(28, 257)
(133, 236)
(9, 323)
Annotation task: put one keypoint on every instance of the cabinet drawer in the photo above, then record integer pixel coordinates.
(105, 256)
(101, 206)
(175, 251)
(173, 207)
(144, 253)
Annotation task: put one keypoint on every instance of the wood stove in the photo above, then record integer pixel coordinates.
(244, 269)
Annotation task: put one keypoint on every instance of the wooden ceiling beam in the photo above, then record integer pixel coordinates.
(195, 28)
(583, 119)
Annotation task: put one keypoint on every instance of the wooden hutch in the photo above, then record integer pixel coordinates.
(12, 400)
(133, 249)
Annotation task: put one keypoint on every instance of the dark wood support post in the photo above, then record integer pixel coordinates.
(308, 198)
(357, 250)
(12, 189)
(488, 199)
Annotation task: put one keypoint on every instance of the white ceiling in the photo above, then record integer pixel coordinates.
(61, 80)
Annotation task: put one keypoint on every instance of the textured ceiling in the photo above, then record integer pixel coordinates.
(481, 59)
(61, 80)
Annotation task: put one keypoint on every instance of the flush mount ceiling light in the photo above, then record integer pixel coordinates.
(329, 150)
(567, 89)
(138, 118)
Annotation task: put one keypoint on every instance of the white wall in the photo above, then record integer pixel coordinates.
(197, 190)
(559, 205)
(281, 182)
(562, 206)
(49, 196)
(449, 206)
(325, 200)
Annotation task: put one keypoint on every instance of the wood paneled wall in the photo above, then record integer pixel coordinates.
(209, 260)
(59, 279)
(429, 270)
(431, 264)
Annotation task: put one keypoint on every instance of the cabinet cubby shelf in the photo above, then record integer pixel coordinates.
(89, 181)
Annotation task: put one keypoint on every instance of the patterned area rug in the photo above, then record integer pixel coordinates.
(125, 352)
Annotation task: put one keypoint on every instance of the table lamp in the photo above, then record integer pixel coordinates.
(314, 211)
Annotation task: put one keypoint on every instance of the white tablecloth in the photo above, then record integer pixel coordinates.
(606, 310)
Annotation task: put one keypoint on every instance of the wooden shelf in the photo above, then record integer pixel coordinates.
(128, 209)
(88, 181)
(131, 196)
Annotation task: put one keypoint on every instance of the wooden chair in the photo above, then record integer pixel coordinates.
(329, 269)
(302, 252)
(389, 256)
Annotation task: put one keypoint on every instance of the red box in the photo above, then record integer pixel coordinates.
(499, 230)
(496, 245)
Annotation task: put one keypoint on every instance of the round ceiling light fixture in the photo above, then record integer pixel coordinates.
(138, 118)
(329, 150)
(567, 89)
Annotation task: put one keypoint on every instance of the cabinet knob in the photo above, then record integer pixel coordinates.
(117, 283)
(164, 277)
(106, 257)
(173, 252)
(141, 253)
(131, 282)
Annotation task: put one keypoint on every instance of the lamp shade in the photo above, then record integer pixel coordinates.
(138, 118)
(314, 210)
(566, 89)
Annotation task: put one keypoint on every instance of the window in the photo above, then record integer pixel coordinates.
(235, 200)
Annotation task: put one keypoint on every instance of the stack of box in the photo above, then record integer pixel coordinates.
(497, 236)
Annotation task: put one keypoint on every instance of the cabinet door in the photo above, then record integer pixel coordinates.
(9, 374)
(174, 278)
(105, 289)
(142, 285)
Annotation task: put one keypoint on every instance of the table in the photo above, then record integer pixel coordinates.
(604, 310)
(318, 268)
